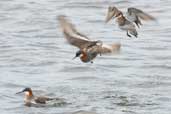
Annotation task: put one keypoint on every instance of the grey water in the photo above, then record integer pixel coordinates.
(34, 53)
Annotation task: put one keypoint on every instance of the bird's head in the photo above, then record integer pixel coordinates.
(27, 91)
(77, 54)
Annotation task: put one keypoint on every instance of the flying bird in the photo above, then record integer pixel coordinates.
(133, 15)
(136, 15)
(88, 49)
(123, 23)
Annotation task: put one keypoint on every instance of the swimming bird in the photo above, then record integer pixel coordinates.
(30, 98)
(123, 23)
(88, 49)
(135, 15)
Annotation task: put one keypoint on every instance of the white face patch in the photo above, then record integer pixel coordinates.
(27, 93)
(81, 55)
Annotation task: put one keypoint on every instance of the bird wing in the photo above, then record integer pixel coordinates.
(73, 36)
(41, 99)
(105, 48)
(110, 48)
(141, 14)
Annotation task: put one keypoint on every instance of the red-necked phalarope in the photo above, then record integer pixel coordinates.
(32, 99)
(123, 23)
(88, 49)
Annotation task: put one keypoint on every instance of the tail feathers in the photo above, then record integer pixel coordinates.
(116, 47)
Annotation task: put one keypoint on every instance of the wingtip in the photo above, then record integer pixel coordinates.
(64, 22)
(59, 17)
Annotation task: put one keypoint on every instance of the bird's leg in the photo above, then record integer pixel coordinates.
(128, 34)
(136, 36)
(136, 22)
(139, 21)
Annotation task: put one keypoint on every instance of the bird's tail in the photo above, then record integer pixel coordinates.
(116, 47)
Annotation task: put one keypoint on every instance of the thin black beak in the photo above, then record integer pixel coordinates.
(19, 92)
(74, 57)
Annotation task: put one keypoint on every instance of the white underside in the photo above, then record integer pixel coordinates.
(127, 27)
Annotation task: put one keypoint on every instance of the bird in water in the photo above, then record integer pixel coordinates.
(88, 49)
(123, 23)
(30, 99)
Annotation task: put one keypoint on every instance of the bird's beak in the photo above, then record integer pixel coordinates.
(74, 58)
(19, 92)
(109, 16)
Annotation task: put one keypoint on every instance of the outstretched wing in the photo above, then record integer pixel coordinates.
(73, 36)
(112, 12)
(106, 48)
(110, 48)
(140, 14)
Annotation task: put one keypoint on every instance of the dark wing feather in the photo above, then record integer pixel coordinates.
(141, 14)
(73, 36)
(41, 100)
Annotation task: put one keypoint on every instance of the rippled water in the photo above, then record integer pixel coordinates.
(33, 53)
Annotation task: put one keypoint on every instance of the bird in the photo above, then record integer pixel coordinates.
(123, 22)
(88, 49)
(136, 15)
(30, 99)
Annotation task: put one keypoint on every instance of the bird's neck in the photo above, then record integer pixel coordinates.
(118, 14)
(84, 57)
(88, 56)
(121, 20)
(28, 96)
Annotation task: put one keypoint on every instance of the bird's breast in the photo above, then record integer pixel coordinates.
(84, 57)
(121, 21)
(88, 56)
